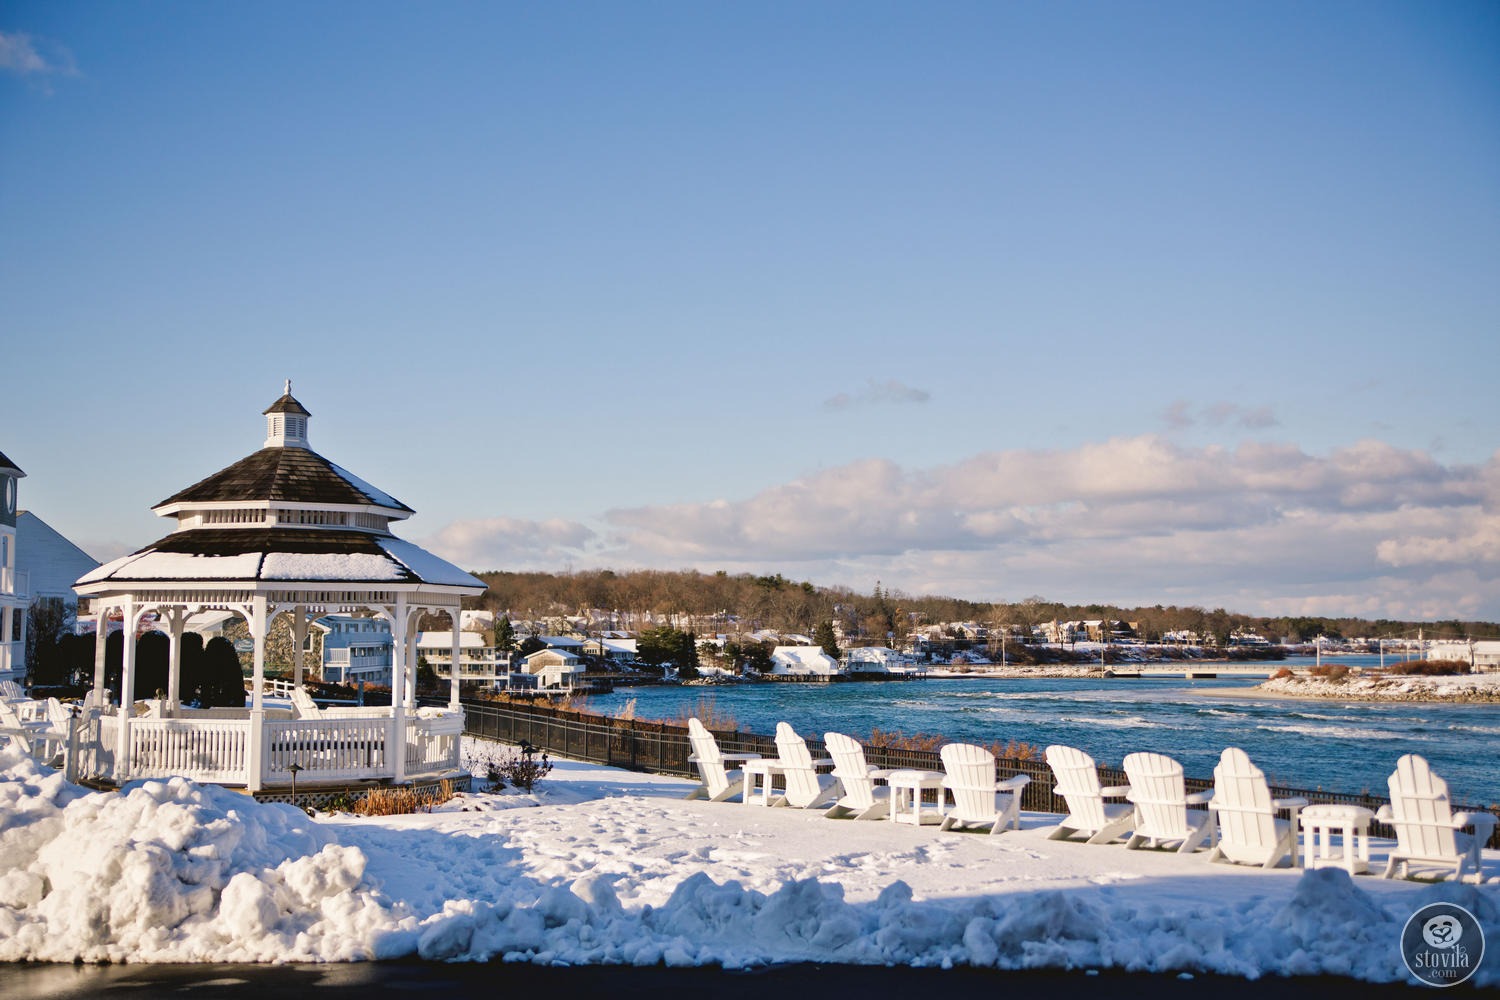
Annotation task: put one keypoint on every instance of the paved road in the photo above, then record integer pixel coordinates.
(364, 980)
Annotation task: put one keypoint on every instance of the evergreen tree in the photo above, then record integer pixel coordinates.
(223, 682)
(826, 639)
(505, 635)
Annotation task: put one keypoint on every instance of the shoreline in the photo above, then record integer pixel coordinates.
(1373, 692)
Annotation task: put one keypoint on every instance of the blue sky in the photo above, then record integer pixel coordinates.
(1139, 303)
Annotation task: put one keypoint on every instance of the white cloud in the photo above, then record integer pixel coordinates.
(1368, 529)
(1262, 528)
(510, 543)
(24, 56)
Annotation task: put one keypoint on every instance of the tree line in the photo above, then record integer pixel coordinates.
(747, 602)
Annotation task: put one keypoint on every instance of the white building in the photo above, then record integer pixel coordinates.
(553, 669)
(803, 660)
(357, 649)
(479, 662)
(49, 560)
(15, 587)
(1482, 655)
(877, 660)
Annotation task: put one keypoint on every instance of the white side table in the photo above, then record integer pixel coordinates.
(760, 780)
(1352, 823)
(906, 795)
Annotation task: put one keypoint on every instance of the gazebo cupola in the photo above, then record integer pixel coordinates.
(286, 422)
(283, 531)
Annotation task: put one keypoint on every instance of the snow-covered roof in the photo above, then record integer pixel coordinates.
(803, 659)
(281, 554)
(443, 640)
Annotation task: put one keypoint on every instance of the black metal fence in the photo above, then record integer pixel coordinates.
(662, 748)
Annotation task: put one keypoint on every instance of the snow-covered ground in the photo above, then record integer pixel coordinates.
(605, 866)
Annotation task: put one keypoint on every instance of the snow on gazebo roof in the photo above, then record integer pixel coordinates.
(282, 555)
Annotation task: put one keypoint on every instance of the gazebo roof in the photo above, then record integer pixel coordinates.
(7, 465)
(282, 517)
(296, 475)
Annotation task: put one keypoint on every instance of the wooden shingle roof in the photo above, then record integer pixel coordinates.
(294, 475)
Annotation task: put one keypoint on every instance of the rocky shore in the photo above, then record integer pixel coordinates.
(1476, 688)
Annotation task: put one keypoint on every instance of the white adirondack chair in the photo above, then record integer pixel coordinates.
(11, 691)
(804, 787)
(303, 706)
(1427, 828)
(1088, 812)
(978, 799)
(1161, 800)
(859, 796)
(1249, 831)
(35, 736)
(718, 781)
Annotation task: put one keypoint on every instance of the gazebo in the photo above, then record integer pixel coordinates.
(283, 531)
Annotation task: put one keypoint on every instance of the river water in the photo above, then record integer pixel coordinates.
(1336, 746)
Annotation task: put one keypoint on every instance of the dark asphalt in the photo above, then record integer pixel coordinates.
(365, 980)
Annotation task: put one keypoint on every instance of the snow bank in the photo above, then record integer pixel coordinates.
(173, 871)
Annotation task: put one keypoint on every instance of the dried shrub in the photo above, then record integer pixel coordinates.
(1429, 668)
(1330, 671)
(708, 712)
(1015, 750)
(627, 711)
(402, 801)
(1281, 675)
(897, 740)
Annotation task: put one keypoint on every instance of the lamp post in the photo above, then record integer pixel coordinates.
(292, 769)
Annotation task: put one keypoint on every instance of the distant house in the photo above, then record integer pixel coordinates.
(619, 652)
(876, 660)
(470, 620)
(1482, 655)
(804, 660)
(553, 669)
(479, 662)
(572, 644)
(50, 561)
(356, 649)
(15, 586)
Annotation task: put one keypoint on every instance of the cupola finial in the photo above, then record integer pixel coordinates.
(288, 390)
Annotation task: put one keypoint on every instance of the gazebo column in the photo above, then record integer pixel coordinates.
(396, 744)
(299, 638)
(255, 746)
(413, 661)
(101, 643)
(176, 619)
(127, 689)
(453, 687)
